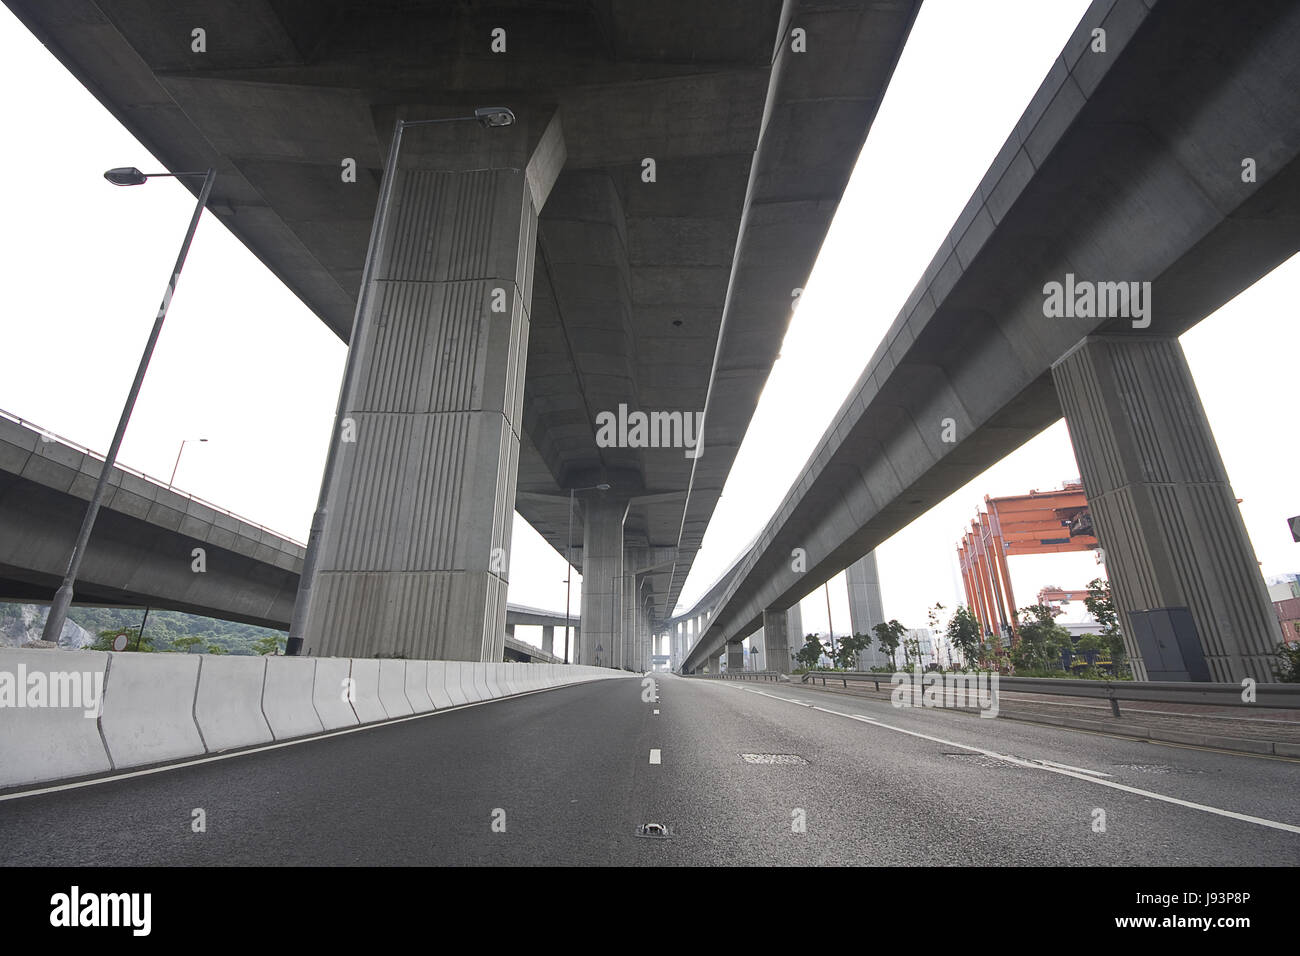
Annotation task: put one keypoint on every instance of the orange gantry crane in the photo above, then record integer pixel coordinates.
(1041, 522)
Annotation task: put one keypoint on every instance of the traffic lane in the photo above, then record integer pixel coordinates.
(419, 792)
(1245, 783)
(870, 795)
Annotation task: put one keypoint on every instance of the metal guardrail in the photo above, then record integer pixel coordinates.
(77, 446)
(740, 675)
(1273, 696)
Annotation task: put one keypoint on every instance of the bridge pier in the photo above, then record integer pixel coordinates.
(866, 606)
(776, 640)
(736, 657)
(413, 539)
(548, 638)
(1164, 511)
(602, 574)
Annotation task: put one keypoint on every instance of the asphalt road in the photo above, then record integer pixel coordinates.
(565, 776)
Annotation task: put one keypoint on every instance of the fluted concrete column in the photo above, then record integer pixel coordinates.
(548, 638)
(776, 640)
(866, 606)
(414, 552)
(641, 662)
(630, 649)
(1161, 503)
(735, 657)
(602, 575)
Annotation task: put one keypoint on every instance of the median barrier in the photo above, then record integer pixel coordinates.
(49, 743)
(287, 697)
(437, 685)
(148, 714)
(330, 693)
(417, 686)
(228, 705)
(392, 689)
(365, 690)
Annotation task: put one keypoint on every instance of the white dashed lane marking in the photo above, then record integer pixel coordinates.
(654, 756)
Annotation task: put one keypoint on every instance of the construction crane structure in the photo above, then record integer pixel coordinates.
(1041, 522)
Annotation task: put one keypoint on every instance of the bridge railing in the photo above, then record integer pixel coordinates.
(1276, 696)
(51, 436)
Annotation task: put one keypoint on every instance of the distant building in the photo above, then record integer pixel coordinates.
(1283, 586)
(1288, 618)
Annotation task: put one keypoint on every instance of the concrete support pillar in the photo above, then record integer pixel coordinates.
(776, 640)
(548, 638)
(866, 607)
(1164, 512)
(602, 574)
(630, 603)
(413, 553)
(641, 646)
(736, 657)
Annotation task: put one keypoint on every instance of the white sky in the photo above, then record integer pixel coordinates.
(245, 364)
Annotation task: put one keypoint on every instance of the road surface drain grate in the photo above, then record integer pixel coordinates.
(655, 831)
(772, 758)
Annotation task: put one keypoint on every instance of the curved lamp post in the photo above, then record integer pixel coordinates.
(122, 176)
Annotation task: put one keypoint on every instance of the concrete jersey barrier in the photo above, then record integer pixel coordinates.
(154, 708)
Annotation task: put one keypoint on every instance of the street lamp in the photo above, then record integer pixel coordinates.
(122, 176)
(568, 557)
(487, 116)
(172, 480)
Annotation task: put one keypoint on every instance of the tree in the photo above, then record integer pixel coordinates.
(1090, 646)
(1287, 669)
(1101, 605)
(964, 633)
(271, 644)
(183, 644)
(811, 652)
(104, 640)
(850, 647)
(217, 649)
(888, 635)
(1041, 639)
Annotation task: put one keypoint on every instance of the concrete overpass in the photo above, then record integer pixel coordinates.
(158, 547)
(667, 186)
(1169, 158)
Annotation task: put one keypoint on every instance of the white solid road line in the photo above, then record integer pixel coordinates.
(1048, 767)
(654, 756)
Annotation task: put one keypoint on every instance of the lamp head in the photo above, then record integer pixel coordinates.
(125, 176)
(494, 116)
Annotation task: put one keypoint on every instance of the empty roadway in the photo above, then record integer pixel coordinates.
(572, 770)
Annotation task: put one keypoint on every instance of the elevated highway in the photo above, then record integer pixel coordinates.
(1170, 159)
(151, 541)
(682, 161)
